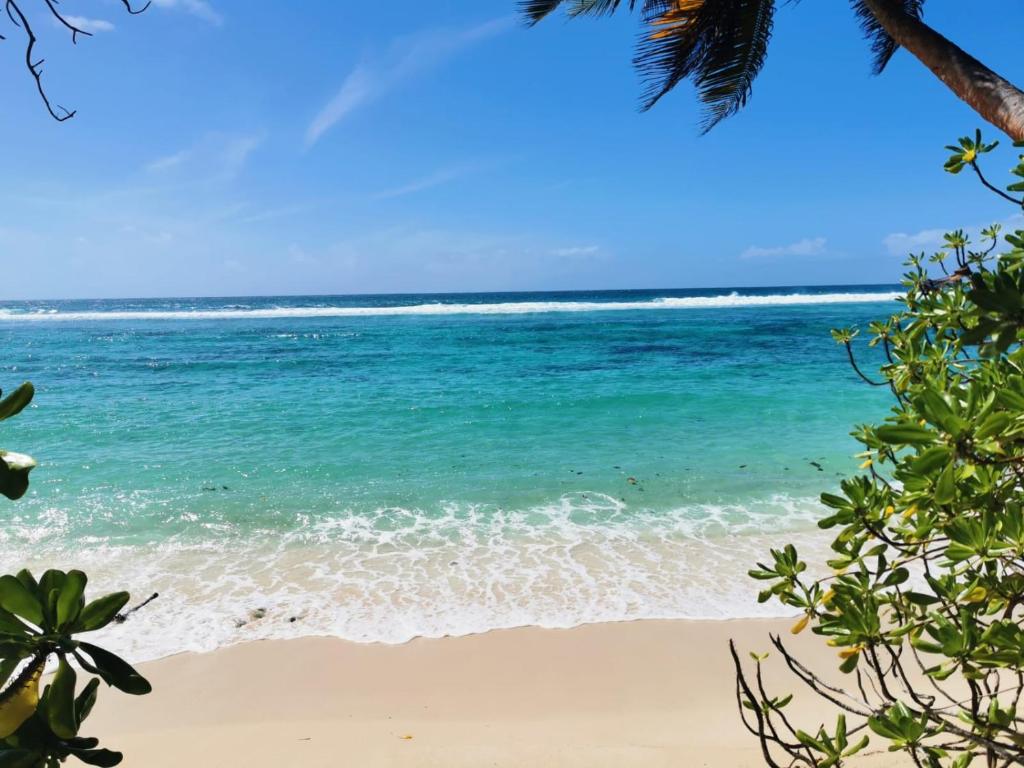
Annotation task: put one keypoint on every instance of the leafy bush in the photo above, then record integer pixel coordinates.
(925, 602)
(40, 620)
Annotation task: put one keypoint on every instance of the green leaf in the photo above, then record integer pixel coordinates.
(11, 625)
(25, 577)
(14, 469)
(905, 434)
(60, 704)
(920, 598)
(850, 663)
(897, 576)
(15, 402)
(994, 425)
(945, 487)
(100, 612)
(20, 758)
(50, 585)
(86, 699)
(100, 757)
(7, 668)
(931, 459)
(70, 602)
(116, 671)
(16, 599)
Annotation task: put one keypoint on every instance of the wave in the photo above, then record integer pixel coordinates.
(395, 574)
(727, 301)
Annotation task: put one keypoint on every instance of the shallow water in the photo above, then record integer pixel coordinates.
(379, 468)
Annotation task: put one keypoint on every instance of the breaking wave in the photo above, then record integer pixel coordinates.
(236, 312)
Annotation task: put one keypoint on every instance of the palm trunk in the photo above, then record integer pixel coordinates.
(991, 96)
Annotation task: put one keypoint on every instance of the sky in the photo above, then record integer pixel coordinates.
(246, 147)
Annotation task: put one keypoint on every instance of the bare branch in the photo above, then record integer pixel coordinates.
(75, 30)
(34, 66)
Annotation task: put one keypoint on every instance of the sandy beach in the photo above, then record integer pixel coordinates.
(645, 694)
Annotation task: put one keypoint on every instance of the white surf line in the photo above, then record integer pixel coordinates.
(502, 308)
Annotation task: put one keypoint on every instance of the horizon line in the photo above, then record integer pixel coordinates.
(371, 294)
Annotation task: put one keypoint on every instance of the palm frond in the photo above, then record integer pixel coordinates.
(720, 44)
(535, 10)
(882, 45)
(596, 7)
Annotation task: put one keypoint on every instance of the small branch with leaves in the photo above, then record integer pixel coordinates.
(924, 605)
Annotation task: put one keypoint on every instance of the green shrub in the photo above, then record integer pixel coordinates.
(925, 602)
(41, 620)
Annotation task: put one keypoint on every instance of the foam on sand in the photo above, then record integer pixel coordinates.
(397, 574)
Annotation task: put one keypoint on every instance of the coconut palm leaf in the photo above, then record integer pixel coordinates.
(596, 7)
(535, 10)
(882, 45)
(720, 44)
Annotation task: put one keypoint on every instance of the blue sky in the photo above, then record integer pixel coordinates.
(236, 147)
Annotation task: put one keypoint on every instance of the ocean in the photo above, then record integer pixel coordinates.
(379, 468)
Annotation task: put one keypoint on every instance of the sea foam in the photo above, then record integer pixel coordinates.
(398, 574)
(726, 301)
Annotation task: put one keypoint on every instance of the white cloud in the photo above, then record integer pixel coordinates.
(89, 25)
(360, 86)
(406, 58)
(198, 8)
(167, 162)
(931, 240)
(901, 243)
(809, 246)
(576, 251)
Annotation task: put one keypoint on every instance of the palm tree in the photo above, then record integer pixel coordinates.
(721, 45)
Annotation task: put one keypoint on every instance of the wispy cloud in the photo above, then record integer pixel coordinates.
(225, 155)
(902, 243)
(576, 251)
(198, 8)
(269, 214)
(167, 162)
(435, 179)
(88, 25)
(406, 58)
(236, 151)
(809, 246)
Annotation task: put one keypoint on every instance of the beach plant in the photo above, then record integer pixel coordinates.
(924, 604)
(721, 47)
(42, 621)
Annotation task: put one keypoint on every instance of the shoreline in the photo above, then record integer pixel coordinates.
(644, 693)
(657, 579)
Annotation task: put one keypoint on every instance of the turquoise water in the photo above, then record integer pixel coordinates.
(385, 467)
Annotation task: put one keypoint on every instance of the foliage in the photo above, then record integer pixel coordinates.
(41, 620)
(14, 467)
(926, 598)
(720, 45)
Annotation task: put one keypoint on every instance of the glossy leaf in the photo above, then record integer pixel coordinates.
(60, 704)
(16, 599)
(115, 671)
(99, 613)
